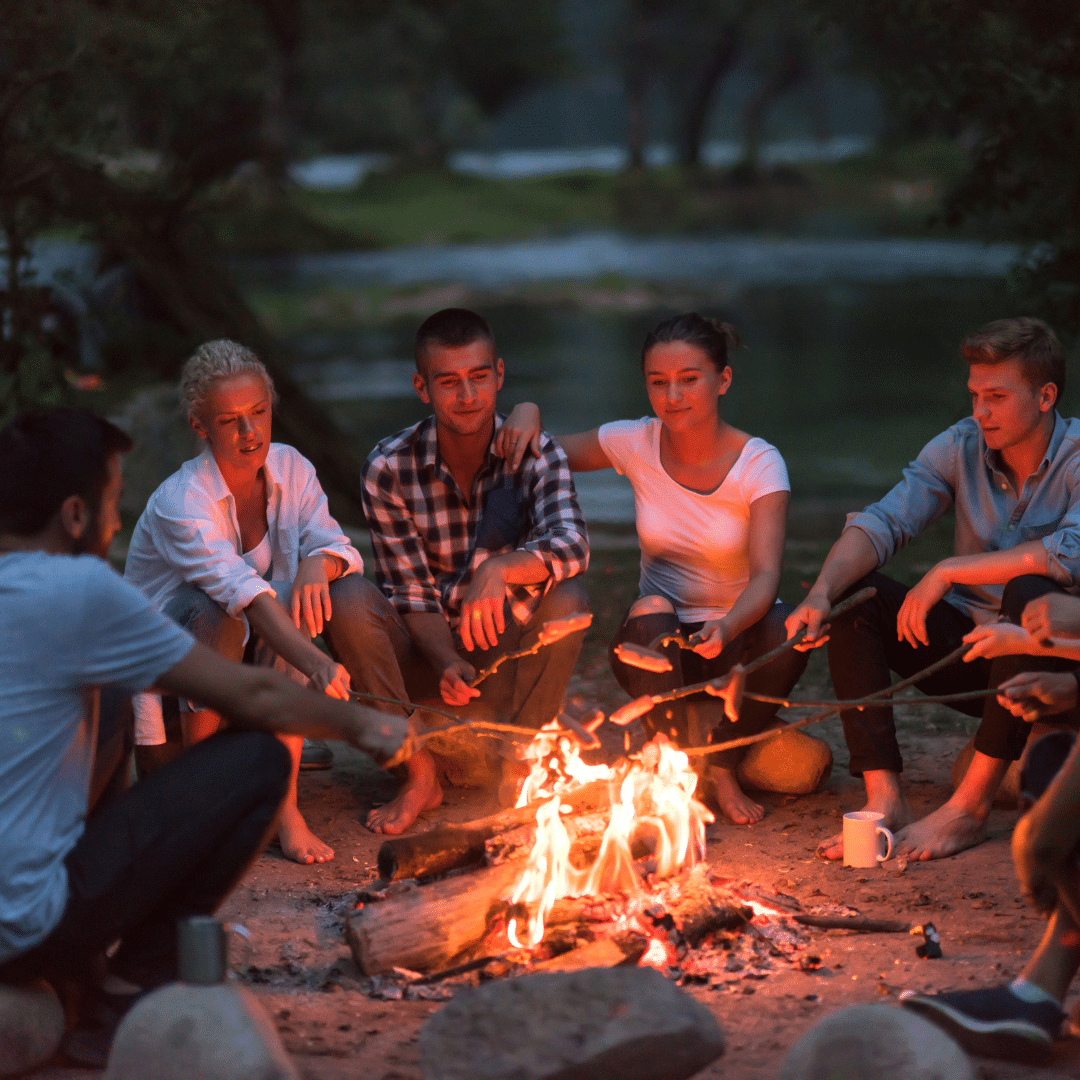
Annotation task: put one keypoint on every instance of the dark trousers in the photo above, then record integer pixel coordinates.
(863, 649)
(174, 845)
(701, 711)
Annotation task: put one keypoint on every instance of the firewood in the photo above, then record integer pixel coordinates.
(854, 922)
(427, 928)
(438, 851)
(607, 952)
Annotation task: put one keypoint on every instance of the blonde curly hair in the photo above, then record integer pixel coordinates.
(216, 360)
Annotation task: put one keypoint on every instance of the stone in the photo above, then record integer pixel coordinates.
(622, 1023)
(1008, 793)
(31, 1024)
(211, 1032)
(864, 1041)
(792, 763)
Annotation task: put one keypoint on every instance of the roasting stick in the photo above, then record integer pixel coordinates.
(858, 703)
(728, 687)
(881, 695)
(552, 631)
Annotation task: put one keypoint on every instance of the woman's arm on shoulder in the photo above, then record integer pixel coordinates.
(520, 431)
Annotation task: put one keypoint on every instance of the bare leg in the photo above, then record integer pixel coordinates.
(736, 805)
(421, 792)
(1057, 958)
(961, 822)
(884, 795)
(297, 841)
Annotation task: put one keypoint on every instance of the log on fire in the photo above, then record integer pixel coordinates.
(438, 851)
(427, 928)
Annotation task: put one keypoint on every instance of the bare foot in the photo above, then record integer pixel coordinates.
(949, 829)
(298, 842)
(421, 792)
(736, 805)
(883, 796)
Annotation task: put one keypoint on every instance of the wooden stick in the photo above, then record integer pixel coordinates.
(855, 703)
(550, 632)
(866, 926)
(761, 736)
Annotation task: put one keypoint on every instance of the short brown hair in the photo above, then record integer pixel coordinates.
(1031, 341)
(451, 328)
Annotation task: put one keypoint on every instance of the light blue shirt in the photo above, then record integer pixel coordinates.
(957, 469)
(66, 623)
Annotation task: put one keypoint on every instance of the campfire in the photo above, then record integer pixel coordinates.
(597, 865)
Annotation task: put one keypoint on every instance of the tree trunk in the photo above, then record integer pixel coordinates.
(171, 253)
(723, 57)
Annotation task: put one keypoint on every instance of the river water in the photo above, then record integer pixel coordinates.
(849, 360)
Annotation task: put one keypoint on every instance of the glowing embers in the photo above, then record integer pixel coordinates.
(652, 808)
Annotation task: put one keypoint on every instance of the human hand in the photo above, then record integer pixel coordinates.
(710, 640)
(331, 679)
(811, 614)
(482, 617)
(911, 618)
(519, 433)
(309, 603)
(999, 639)
(1055, 615)
(388, 738)
(454, 683)
(1034, 694)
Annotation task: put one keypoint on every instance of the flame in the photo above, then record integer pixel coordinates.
(654, 800)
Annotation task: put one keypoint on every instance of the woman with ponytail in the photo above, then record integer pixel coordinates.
(711, 510)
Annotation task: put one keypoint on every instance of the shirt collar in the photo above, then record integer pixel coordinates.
(216, 482)
(429, 440)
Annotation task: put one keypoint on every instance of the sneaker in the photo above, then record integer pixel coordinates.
(315, 755)
(993, 1022)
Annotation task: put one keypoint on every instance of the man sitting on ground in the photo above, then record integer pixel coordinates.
(84, 863)
(1012, 473)
(1022, 1019)
(472, 555)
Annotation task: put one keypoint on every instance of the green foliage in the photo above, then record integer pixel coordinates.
(1004, 77)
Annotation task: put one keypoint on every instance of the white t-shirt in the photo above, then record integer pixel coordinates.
(66, 622)
(694, 548)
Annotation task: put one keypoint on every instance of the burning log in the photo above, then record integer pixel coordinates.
(439, 851)
(426, 929)
(609, 952)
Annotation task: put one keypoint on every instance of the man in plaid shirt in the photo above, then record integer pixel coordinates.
(476, 545)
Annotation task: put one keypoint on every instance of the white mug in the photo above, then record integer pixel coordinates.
(861, 847)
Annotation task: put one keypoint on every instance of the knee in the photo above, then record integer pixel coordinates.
(650, 605)
(359, 601)
(259, 755)
(566, 599)
(206, 621)
(1020, 591)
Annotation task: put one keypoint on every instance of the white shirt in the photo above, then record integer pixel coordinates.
(189, 533)
(66, 623)
(695, 548)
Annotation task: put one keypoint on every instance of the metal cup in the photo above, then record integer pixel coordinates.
(204, 950)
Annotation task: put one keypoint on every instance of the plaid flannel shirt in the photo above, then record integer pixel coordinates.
(428, 541)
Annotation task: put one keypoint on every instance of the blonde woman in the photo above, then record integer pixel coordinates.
(238, 546)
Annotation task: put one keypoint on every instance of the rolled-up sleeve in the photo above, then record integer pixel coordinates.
(558, 536)
(192, 543)
(925, 493)
(401, 566)
(320, 534)
(1063, 545)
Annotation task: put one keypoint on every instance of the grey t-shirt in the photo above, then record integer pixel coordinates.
(66, 623)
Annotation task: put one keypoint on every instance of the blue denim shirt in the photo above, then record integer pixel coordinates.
(957, 469)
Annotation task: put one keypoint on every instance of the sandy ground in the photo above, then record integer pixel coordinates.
(309, 985)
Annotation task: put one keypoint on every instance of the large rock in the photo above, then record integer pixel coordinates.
(863, 1042)
(791, 763)
(625, 1023)
(1008, 793)
(31, 1023)
(211, 1032)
